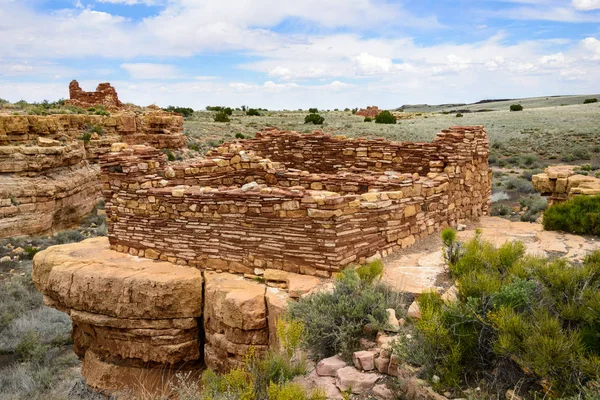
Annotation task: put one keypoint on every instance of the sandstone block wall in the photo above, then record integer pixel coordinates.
(49, 178)
(561, 182)
(105, 95)
(309, 204)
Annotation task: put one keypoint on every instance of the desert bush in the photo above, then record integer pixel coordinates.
(221, 116)
(240, 135)
(385, 117)
(501, 210)
(590, 101)
(170, 155)
(253, 112)
(354, 111)
(519, 184)
(459, 115)
(581, 153)
(334, 321)
(267, 377)
(368, 119)
(314, 119)
(522, 317)
(86, 137)
(313, 110)
(17, 296)
(70, 236)
(580, 214)
(516, 107)
(186, 112)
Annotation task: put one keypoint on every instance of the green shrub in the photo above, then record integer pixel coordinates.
(385, 117)
(580, 214)
(253, 112)
(516, 107)
(370, 272)
(221, 116)
(590, 101)
(240, 135)
(519, 185)
(313, 110)
(30, 347)
(501, 210)
(354, 111)
(459, 115)
(522, 317)
(170, 155)
(186, 112)
(334, 321)
(86, 137)
(368, 119)
(452, 248)
(194, 146)
(314, 118)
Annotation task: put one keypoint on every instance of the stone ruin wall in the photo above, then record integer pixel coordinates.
(139, 321)
(105, 95)
(370, 111)
(49, 177)
(308, 204)
(561, 182)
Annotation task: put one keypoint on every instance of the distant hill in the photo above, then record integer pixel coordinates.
(499, 104)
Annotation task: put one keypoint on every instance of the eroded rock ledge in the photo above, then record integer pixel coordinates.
(561, 182)
(49, 178)
(137, 321)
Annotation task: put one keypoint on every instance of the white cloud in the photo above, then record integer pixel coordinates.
(150, 71)
(553, 59)
(592, 46)
(586, 5)
(368, 64)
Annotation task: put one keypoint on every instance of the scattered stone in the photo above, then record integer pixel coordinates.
(364, 360)
(329, 366)
(349, 378)
(393, 325)
(5, 259)
(382, 392)
(414, 311)
(249, 186)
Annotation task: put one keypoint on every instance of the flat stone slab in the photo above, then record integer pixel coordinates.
(88, 276)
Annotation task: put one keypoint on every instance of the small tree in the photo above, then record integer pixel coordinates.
(314, 118)
(385, 117)
(221, 116)
(516, 107)
(253, 112)
(368, 119)
(590, 101)
(313, 110)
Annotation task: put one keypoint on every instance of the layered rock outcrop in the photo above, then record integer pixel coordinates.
(561, 182)
(105, 95)
(48, 164)
(132, 316)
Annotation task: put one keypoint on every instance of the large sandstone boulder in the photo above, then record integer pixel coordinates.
(135, 321)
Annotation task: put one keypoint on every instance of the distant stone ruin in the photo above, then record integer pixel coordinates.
(49, 176)
(561, 182)
(105, 95)
(370, 112)
(178, 283)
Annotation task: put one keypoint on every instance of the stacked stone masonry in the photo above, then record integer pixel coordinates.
(370, 112)
(304, 203)
(49, 177)
(561, 182)
(105, 95)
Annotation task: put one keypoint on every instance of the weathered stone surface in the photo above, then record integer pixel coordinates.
(88, 276)
(277, 301)
(349, 378)
(313, 381)
(364, 360)
(561, 182)
(382, 392)
(329, 366)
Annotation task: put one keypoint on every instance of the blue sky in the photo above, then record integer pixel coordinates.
(300, 53)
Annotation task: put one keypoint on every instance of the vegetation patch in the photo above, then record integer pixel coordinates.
(385, 117)
(580, 215)
(519, 321)
(334, 321)
(313, 118)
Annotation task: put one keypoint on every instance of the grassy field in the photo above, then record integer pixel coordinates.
(522, 143)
